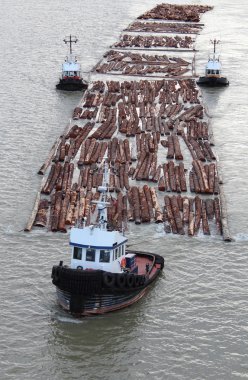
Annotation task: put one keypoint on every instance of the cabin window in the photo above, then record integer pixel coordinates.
(90, 254)
(217, 71)
(209, 71)
(122, 250)
(77, 253)
(116, 253)
(104, 256)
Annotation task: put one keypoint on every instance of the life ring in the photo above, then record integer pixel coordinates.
(109, 279)
(121, 280)
(123, 262)
(130, 280)
(80, 267)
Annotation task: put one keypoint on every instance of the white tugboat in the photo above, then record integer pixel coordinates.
(103, 276)
(213, 76)
(71, 79)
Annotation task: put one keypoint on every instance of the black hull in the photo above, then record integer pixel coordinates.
(71, 85)
(95, 292)
(212, 82)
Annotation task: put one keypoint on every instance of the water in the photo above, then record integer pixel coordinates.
(193, 322)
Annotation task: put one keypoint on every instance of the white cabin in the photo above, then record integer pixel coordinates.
(213, 67)
(71, 69)
(97, 248)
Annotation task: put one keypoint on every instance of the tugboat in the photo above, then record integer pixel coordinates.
(71, 79)
(103, 275)
(213, 75)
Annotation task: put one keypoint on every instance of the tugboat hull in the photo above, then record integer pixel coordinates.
(213, 81)
(92, 292)
(71, 85)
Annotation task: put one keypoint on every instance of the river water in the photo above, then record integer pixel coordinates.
(193, 323)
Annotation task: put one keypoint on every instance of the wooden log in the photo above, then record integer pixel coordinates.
(161, 184)
(191, 231)
(177, 215)
(149, 201)
(56, 211)
(186, 210)
(130, 213)
(211, 175)
(144, 212)
(81, 209)
(210, 208)
(70, 176)
(158, 212)
(216, 185)
(205, 225)
(177, 179)
(157, 174)
(191, 182)
(217, 215)
(198, 214)
(71, 206)
(170, 214)
(171, 151)
(198, 174)
(167, 227)
(41, 216)
(139, 164)
(171, 171)
(64, 207)
(54, 148)
(177, 149)
(182, 177)
(125, 176)
(166, 177)
(136, 205)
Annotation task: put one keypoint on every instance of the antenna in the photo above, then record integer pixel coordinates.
(215, 42)
(70, 39)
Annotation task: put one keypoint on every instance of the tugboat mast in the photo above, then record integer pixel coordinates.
(215, 42)
(70, 39)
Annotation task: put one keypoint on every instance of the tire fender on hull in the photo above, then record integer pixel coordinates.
(109, 279)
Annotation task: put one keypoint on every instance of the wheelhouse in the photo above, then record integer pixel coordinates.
(91, 251)
(213, 68)
(71, 70)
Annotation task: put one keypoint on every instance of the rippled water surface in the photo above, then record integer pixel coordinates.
(193, 324)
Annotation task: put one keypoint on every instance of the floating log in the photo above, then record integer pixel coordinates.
(198, 214)
(136, 205)
(31, 220)
(41, 216)
(177, 215)
(170, 215)
(144, 212)
(158, 212)
(54, 148)
(205, 225)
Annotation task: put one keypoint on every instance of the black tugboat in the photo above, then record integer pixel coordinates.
(103, 276)
(71, 79)
(213, 76)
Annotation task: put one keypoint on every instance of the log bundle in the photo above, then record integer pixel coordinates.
(159, 27)
(177, 42)
(189, 13)
(204, 178)
(127, 63)
(186, 215)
